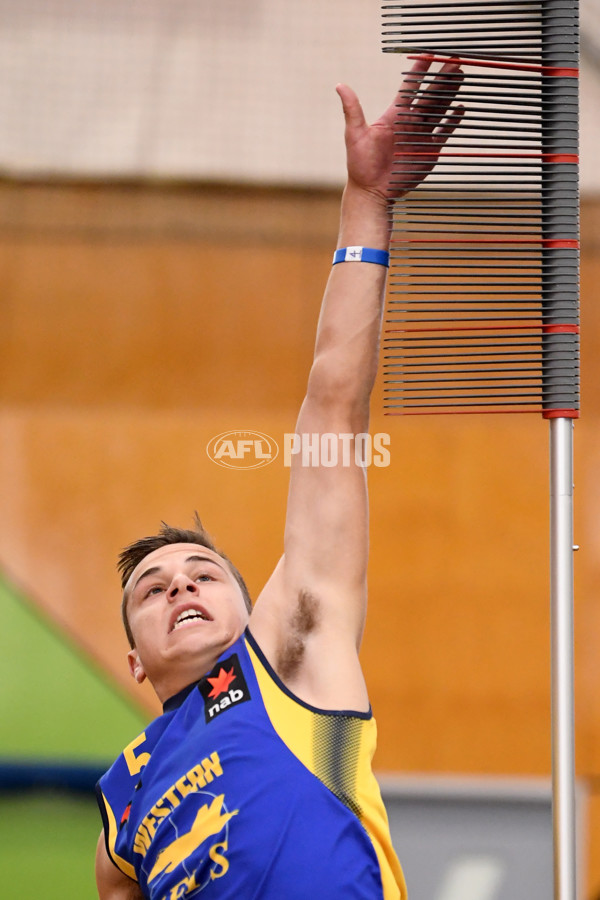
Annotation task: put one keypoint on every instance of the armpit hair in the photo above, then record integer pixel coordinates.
(304, 620)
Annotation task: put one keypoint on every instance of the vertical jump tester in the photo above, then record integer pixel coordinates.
(483, 315)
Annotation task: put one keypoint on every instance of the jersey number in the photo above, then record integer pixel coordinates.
(135, 763)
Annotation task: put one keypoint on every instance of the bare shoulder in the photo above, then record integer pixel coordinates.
(111, 882)
(313, 654)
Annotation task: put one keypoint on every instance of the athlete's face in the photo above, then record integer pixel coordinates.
(184, 608)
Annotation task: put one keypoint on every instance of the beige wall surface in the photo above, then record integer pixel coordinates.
(233, 90)
(139, 323)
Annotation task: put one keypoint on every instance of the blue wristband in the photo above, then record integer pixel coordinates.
(362, 254)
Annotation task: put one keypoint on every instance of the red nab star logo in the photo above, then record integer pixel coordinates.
(223, 688)
(221, 683)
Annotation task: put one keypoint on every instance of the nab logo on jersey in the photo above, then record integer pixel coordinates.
(223, 688)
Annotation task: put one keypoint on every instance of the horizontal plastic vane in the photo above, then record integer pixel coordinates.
(483, 312)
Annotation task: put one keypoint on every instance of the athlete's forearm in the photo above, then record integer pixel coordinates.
(347, 344)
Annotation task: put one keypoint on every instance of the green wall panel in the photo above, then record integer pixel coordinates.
(53, 702)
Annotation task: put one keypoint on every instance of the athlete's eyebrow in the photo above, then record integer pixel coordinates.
(203, 559)
(154, 570)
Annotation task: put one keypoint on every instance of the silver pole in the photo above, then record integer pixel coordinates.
(562, 642)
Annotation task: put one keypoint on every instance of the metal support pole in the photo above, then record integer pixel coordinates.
(562, 643)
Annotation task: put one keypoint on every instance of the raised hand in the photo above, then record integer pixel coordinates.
(416, 121)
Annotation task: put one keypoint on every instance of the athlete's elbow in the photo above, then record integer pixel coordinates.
(339, 393)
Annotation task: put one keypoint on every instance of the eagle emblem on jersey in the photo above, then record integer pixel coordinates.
(209, 821)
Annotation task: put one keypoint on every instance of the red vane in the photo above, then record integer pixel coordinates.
(561, 73)
(525, 67)
(469, 328)
(561, 157)
(561, 244)
(560, 329)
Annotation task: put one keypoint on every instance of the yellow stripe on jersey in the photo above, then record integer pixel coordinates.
(123, 865)
(338, 749)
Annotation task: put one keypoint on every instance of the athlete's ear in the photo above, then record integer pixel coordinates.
(135, 666)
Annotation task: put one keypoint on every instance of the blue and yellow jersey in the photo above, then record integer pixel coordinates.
(241, 790)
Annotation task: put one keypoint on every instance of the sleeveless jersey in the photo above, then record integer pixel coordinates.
(240, 790)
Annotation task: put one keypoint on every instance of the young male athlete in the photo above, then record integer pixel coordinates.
(256, 781)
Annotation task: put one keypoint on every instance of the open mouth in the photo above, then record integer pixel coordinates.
(189, 616)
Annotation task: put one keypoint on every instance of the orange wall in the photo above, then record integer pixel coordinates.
(139, 323)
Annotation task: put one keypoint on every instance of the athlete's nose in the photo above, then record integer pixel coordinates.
(179, 584)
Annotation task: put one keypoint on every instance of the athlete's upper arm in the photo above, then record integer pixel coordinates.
(310, 615)
(326, 531)
(111, 882)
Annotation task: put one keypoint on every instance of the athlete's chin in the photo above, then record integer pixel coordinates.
(195, 630)
(200, 642)
(188, 642)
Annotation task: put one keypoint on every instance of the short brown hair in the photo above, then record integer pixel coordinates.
(132, 555)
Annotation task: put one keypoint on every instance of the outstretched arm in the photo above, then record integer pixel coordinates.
(309, 618)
